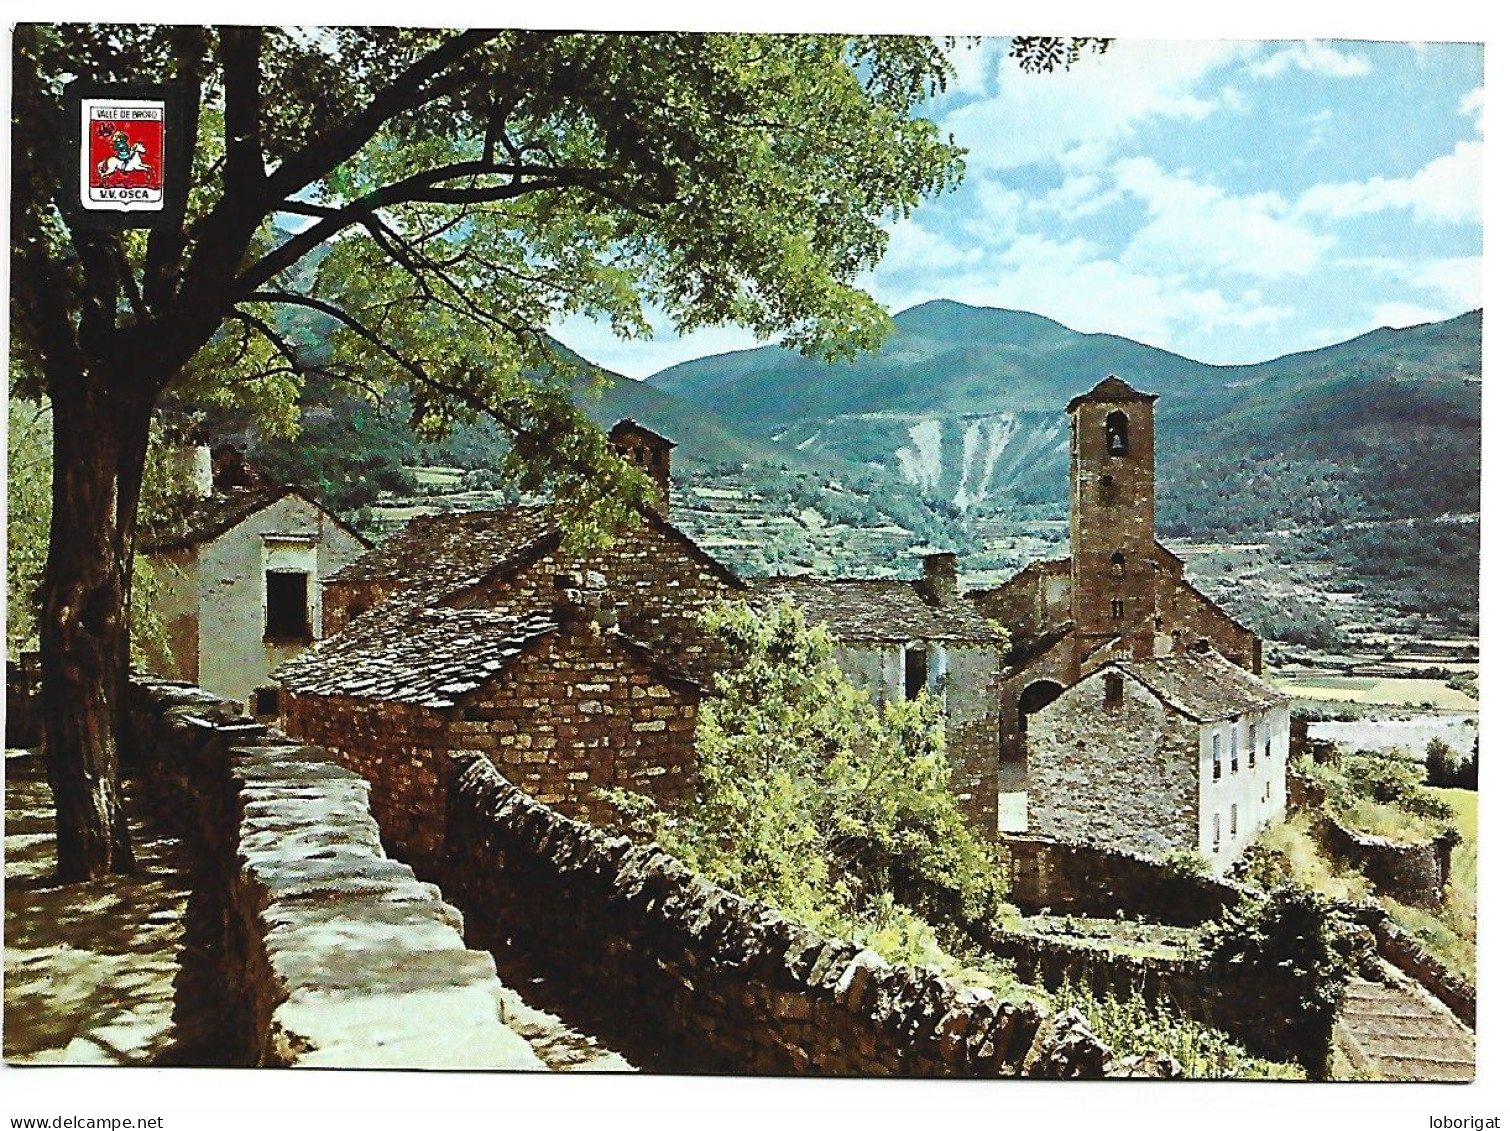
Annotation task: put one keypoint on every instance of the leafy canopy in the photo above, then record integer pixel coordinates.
(437, 197)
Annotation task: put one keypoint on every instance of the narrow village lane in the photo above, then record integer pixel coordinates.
(89, 968)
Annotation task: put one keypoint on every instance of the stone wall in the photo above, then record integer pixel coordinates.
(1080, 879)
(401, 751)
(1411, 873)
(576, 713)
(723, 984)
(1118, 774)
(1257, 1006)
(659, 583)
(588, 715)
(1399, 948)
(307, 945)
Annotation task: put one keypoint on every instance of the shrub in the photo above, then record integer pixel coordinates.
(1304, 947)
(814, 799)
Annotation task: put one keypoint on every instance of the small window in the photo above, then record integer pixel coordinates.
(265, 702)
(915, 675)
(1116, 434)
(1268, 739)
(1216, 832)
(1234, 820)
(1234, 748)
(1117, 610)
(287, 605)
(1267, 784)
(1119, 564)
(1113, 691)
(1108, 489)
(1216, 757)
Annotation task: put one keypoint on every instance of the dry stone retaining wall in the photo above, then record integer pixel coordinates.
(1397, 947)
(1081, 879)
(1411, 873)
(724, 983)
(310, 946)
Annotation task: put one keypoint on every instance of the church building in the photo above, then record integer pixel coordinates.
(1120, 595)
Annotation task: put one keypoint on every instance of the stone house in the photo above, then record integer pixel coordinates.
(454, 634)
(1120, 594)
(1184, 751)
(900, 637)
(238, 567)
(565, 704)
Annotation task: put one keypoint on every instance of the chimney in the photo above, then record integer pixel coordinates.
(651, 453)
(189, 470)
(941, 576)
(581, 603)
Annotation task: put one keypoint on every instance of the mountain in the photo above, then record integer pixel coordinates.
(1364, 454)
(967, 402)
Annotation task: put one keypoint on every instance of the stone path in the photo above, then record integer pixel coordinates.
(89, 968)
(1395, 1030)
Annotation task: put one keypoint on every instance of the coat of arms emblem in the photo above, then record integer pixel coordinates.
(121, 154)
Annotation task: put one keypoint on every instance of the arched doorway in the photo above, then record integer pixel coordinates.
(1034, 698)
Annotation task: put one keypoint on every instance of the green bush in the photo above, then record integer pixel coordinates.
(814, 799)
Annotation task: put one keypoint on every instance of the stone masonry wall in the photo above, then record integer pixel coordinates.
(344, 601)
(1082, 879)
(577, 713)
(1411, 873)
(1119, 776)
(584, 717)
(658, 586)
(1257, 1005)
(401, 752)
(1399, 948)
(724, 984)
(972, 733)
(308, 946)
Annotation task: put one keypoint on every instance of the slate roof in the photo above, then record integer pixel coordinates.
(880, 610)
(198, 521)
(206, 519)
(443, 553)
(431, 658)
(440, 553)
(1110, 390)
(1203, 685)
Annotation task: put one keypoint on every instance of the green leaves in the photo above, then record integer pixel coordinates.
(816, 800)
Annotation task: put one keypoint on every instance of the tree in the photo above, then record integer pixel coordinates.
(438, 197)
(813, 798)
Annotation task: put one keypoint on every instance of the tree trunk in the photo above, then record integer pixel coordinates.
(84, 633)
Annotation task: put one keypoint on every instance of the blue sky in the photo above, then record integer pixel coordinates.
(1228, 200)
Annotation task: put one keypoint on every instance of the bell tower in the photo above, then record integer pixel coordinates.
(1112, 515)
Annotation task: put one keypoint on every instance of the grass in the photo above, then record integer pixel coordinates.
(1449, 933)
(1373, 691)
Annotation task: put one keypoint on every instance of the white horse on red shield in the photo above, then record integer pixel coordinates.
(119, 165)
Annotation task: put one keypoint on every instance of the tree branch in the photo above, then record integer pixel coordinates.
(240, 61)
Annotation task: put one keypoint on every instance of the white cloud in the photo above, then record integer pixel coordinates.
(1455, 282)
(1472, 106)
(1077, 116)
(1079, 196)
(1313, 57)
(1448, 189)
(1074, 282)
(1403, 314)
(1196, 226)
